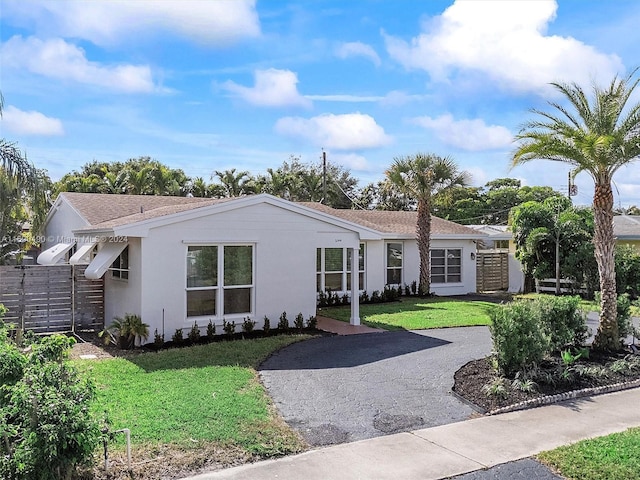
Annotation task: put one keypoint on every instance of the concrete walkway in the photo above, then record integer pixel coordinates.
(331, 325)
(453, 449)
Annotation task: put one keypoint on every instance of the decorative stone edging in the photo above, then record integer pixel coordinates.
(550, 399)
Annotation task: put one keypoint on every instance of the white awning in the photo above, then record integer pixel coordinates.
(82, 254)
(104, 259)
(53, 255)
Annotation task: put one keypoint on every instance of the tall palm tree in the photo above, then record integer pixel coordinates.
(598, 136)
(421, 176)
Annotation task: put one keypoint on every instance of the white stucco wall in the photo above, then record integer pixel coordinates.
(59, 228)
(468, 283)
(376, 265)
(124, 296)
(516, 275)
(284, 263)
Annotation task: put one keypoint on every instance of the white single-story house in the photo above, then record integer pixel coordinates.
(179, 260)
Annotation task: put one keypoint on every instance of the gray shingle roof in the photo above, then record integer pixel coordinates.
(105, 211)
(626, 226)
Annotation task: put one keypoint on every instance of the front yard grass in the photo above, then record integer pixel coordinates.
(612, 457)
(412, 313)
(187, 396)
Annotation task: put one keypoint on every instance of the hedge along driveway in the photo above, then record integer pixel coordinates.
(345, 388)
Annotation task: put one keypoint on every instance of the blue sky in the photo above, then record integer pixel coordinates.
(211, 85)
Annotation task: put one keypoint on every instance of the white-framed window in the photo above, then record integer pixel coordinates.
(333, 269)
(120, 266)
(446, 265)
(394, 263)
(219, 280)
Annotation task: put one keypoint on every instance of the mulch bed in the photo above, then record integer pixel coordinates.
(470, 380)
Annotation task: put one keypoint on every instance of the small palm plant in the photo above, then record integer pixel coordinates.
(126, 331)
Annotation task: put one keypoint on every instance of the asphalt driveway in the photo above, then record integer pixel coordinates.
(345, 388)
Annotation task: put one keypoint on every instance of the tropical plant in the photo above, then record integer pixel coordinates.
(23, 197)
(126, 331)
(597, 136)
(421, 176)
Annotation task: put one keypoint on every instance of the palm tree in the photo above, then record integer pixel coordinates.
(23, 194)
(598, 136)
(234, 184)
(420, 177)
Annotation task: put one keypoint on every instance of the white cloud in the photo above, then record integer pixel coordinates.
(471, 135)
(505, 41)
(358, 49)
(20, 122)
(56, 58)
(106, 22)
(353, 131)
(352, 161)
(273, 88)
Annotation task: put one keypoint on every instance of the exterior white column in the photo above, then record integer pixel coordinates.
(355, 286)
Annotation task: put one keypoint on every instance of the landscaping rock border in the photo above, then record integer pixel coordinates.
(551, 399)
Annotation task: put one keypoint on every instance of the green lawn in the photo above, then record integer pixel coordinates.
(613, 457)
(417, 313)
(206, 393)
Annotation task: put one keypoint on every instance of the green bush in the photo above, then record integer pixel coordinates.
(312, 322)
(266, 325)
(248, 325)
(211, 330)
(298, 322)
(562, 320)
(628, 270)
(194, 333)
(12, 364)
(178, 337)
(518, 340)
(283, 323)
(47, 428)
(229, 327)
(623, 315)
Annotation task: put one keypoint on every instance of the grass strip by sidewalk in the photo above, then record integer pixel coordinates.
(417, 313)
(613, 457)
(205, 393)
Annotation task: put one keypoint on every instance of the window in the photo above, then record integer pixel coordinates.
(120, 267)
(446, 265)
(394, 263)
(333, 269)
(502, 244)
(219, 275)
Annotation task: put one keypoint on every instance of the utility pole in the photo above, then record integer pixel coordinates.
(324, 177)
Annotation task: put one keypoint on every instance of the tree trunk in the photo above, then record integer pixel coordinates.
(423, 234)
(607, 337)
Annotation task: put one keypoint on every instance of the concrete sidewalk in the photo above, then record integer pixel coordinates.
(456, 448)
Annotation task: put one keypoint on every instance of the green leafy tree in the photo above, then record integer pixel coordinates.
(597, 136)
(23, 198)
(488, 205)
(421, 176)
(543, 229)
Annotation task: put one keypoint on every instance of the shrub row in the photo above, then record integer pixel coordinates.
(230, 329)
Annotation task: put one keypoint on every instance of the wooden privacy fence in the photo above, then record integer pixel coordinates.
(52, 299)
(492, 271)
